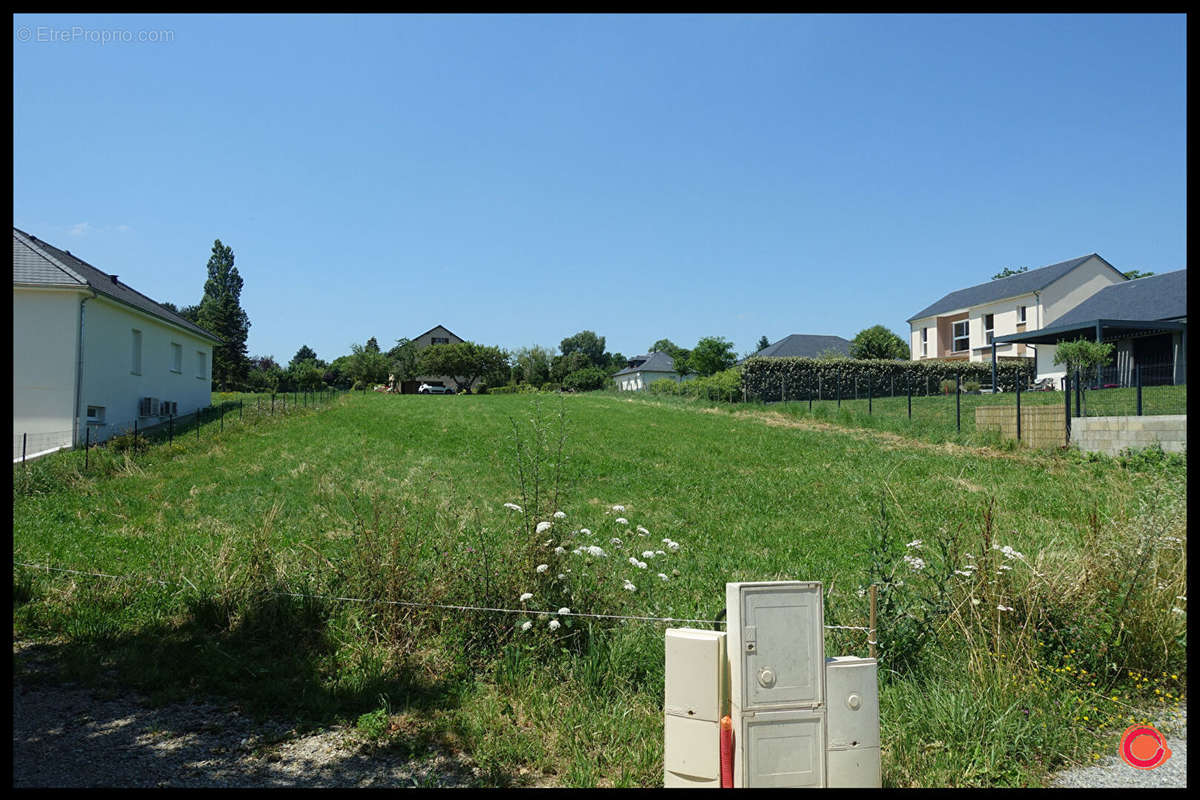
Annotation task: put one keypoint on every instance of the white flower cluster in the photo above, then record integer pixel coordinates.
(639, 564)
(1008, 551)
(542, 527)
(618, 508)
(914, 563)
(560, 515)
(1003, 607)
(513, 506)
(622, 521)
(915, 543)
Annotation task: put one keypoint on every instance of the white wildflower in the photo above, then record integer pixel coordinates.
(578, 551)
(647, 554)
(663, 576)
(1004, 567)
(916, 543)
(513, 506)
(861, 592)
(547, 543)
(660, 552)
(1177, 610)
(543, 567)
(560, 515)
(666, 541)
(564, 610)
(968, 555)
(642, 531)
(527, 624)
(542, 527)
(1004, 608)
(593, 550)
(585, 531)
(915, 564)
(561, 575)
(1010, 553)
(618, 508)
(622, 521)
(629, 587)
(1181, 597)
(555, 625)
(673, 546)
(560, 550)
(633, 560)
(974, 601)
(962, 572)
(640, 565)
(614, 540)
(526, 596)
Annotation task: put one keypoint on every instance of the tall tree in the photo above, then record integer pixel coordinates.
(1004, 273)
(763, 343)
(221, 313)
(305, 353)
(710, 355)
(368, 366)
(373, 345)
(587, 343)
(1134, 274)
(878, 342)
(464, 362)
(405, 360)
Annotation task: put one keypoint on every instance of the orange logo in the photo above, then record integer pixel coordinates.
(1143, 747)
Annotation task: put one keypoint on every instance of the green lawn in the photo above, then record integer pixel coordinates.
(401, 496)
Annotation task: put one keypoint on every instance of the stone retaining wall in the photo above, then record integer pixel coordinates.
(1111, 435)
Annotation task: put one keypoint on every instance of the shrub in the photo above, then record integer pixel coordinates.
(586, 379)
(971, 387)
(770, 378)
(947, 386)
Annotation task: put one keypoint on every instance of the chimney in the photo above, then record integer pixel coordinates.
(114, 278)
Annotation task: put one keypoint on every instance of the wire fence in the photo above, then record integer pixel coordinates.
(1121, 391)
(233, 410)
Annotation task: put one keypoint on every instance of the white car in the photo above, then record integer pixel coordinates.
(425, 388)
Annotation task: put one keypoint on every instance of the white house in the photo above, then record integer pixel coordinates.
(644, 370)
(90, 353)
(963, 324)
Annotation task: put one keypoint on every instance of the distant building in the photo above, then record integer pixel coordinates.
(644, 370)
(803, 345)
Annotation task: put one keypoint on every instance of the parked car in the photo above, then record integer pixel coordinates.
(426, 388)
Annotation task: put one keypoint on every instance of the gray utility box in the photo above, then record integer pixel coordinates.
(777, 682)
(852, 740)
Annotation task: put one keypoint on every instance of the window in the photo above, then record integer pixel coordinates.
(176, 357)
(924, 341)
(201, 364)
(962, 336)
(439, 340)
(95, 415)
(135, 365)
(989, 326)
(1021, 313)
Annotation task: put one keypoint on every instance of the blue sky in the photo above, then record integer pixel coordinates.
(522, 178)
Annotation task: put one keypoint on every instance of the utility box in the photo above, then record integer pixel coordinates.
(852, 742)
(696, 697)
(777, 682)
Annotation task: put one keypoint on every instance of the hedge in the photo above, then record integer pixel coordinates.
(795, 378)
(724, 385)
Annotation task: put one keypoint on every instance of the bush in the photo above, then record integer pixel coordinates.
(770, 378)
(586, 379)
(947, 386)
(971, 387)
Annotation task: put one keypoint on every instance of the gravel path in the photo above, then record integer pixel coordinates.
(69, 736)
(1113, 773)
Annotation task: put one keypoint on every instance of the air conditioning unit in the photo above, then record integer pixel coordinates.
(148, 407)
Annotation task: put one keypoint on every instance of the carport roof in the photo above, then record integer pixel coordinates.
(1087, 329)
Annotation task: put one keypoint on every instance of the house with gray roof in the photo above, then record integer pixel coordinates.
(966, 323)
(92, 356)
(644, 370)
(1146, 320)
(803, 345)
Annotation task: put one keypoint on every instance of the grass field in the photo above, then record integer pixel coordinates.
(401, 498)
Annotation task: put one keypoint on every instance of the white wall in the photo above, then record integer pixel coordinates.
(1076, 286)
(107, 377)
(45, 326)
(640, 381)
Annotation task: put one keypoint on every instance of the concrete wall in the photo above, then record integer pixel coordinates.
(1111, 435)
(1041, 426)
(109, 380)
(45, 338)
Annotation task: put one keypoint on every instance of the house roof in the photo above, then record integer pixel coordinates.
(1022, 283)
(803, 345)
(655, 362)
(1157, 297)
(39, 263)
(434, 328)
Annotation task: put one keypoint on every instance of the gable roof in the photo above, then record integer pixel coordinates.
(434, 328)
(1158, 297)
(655, 362)
(1022, 283)
(39, 263)
(803, 345)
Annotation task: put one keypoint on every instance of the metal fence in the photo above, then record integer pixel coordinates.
(143, 433)
(1142, 390)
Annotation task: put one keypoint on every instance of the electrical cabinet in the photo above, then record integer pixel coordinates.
(777, 682)
(852, 741)
(696, 697)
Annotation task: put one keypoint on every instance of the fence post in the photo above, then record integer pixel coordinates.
(241, 402)
(958, 402)
(810, 402)
(868, 397)
(839, 388)
(171, 429)
(1077, 392)
(87, 445)
(1019, 406)
(272, 404)
(855, 387)
(1067, 402)
(222, 412)
(24, 439)
(1137, 371)
(893, 391)
(818, 386)
(135, 434)
(910, 397)
(871, 637)
(198, 419)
